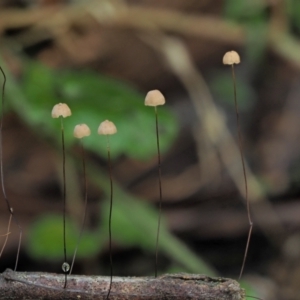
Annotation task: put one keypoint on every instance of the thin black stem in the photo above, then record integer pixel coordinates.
(110, 217)
(1, 146)
(7, 234)
(9, 207)
(160, 194)
(85, 204)
(64, 196)
(244, 172)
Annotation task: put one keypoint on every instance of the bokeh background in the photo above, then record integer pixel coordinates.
(101, 58)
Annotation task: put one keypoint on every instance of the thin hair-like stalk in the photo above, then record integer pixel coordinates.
(155, 98)
(110, 215)
(85, 204)
(160, 192)
(6, 235)
(108, 128)
(65, 265)
(62, 110)
(244, 172)
(9, 207)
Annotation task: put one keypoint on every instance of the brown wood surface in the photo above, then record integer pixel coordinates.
(25, 285)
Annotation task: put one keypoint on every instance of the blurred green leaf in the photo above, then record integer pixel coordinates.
(249, 290)
(257, 32)
(243, 10)
(45, 239)
(253, 17)
(222, 85)
(134, 223)
(293, 9)
(93, 99)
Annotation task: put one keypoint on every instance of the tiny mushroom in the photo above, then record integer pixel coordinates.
(107, 128)
(231, 57)
(81, 130)
(154, 98)
(61, 110)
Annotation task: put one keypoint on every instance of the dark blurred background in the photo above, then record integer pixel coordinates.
(101, 58)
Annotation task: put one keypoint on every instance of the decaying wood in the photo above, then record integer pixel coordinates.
(25, 285)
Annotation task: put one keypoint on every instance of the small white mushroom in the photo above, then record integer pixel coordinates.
(154, 98)
(81, 130)
(107, 128)
(231, 57)
(65, 267)
(61, 110)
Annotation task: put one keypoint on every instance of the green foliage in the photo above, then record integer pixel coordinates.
(294, 12)
(244, 10)
(45, 239)
(222, 85)
(135, 224)
(249, 290)
(253, 16)
(93, 99)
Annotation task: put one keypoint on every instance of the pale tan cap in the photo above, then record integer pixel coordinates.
(107, 128)
(81, 130)
(154, 98)
(231, 57)
(61, 110)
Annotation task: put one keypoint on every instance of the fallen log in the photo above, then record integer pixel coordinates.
(27, 285)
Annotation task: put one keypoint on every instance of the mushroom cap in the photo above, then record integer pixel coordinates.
(231, 57)
(154, 98)
(61, 110)
(81, 130)
(107, 128)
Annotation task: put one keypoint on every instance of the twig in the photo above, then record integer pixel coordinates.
(282, 42)
(134, 16)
